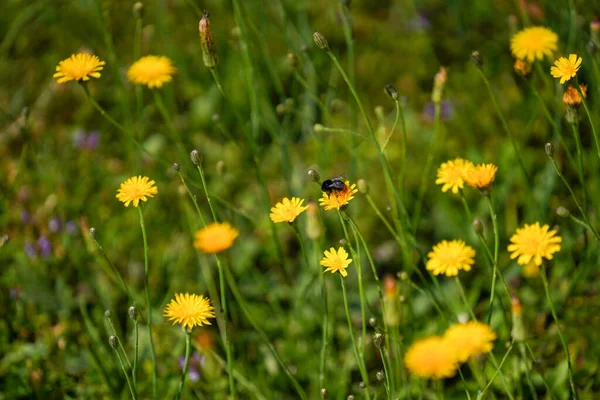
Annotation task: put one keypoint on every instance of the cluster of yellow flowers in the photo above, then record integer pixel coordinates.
(453, 175)
(440, 356)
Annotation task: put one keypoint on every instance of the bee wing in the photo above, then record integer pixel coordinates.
(339, 178)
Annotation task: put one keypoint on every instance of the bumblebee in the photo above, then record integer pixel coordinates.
(333, 185)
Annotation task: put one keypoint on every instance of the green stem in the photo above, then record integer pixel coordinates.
(482, 392)
(464, 297)
(102, 111)
(146, 273)
(587, 111)
(312, 94)
(393, 127)
(133, 396)
(580, 166)
(212, 210)
(505, 125)
(114, 270)
(188, 340)
(114, 332)
(387, 375)
(495, 271)
(325, 322)
(524, 360)
(559, 330)
(135, 353)
(194, 199)
(175, 136)
(464, 382)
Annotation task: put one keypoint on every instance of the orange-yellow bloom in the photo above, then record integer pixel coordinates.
(135, 189)
(431, 357)
(450, 257)
(340, 198)
(452, 174)
(189, 310)
(566, 68)
(216, 237)
(79, 66)
(470, 339)
(336, 261)
(287, 210)
(533, 243)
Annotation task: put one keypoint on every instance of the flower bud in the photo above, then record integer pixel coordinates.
(5, 240)
(324, 394)
(363, 187)
(343, 242)
(549, 149)
(378, 340)
(314, 175)
(138, 9)
(380, 376)
(220, 167)
(477, 59)
(477, 227)
(372, 322)
(176, 166)
(563, 212)
(107, 314)
(292, 60)
(392, 312)
(93, 233)
(391, 91)
(439, 81)
(314, 228)
(320, 41)
(403, 276)
(521, 67)
(592, 47)
(518, 331)
(196, 157)
(216, 118)
(209, 51)
(318, 128)
(350, 397)
(362, 385)
(133, 313)
(113, 341)
(280, 109)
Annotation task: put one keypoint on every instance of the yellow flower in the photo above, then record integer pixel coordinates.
(481, 176)
(338, 199)
(566, 69)
(151, 71)
(215, 237)
(336, 261)
(531, 270)
(571, 97)
(450, 257)
(79, 66)
(135, 189)
(431, 357)
(189, 310)
(452, 174)
(533, 43)
(522, 67)
(470, 339)
(532, 243)
(287, 210)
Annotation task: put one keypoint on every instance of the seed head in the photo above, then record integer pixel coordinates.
(324, 394)
(378, 339)
(380, 376)
(176, 166)
(477, 59)
(107, 314)
(549, 149)
(133, 313)
(477, 227)
(113, 341)
(372, 322)
(320, 41)
(138, 9)
(362, 385)
(93, 232)
(196, 157)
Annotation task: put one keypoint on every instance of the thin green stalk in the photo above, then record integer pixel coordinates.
(387, 374)
(193, 197)
(482, 392)
(135, 353)
(201, 172)
(175, 136)
(464, 382)
(340, 130)
(241, 378)
(559, 330)
(114, 332)
(404, 148)
(312, 94)
(244, 307)
(294, 226)
(325, 322)
(137, 44)
(463, 295)
(188, 341)
(495, 271)
(524, 360)
(102, 111)
(580, 172)
(587, 111)
(540, 372)
(133, 395)
(387, 140)
(425, 178)
(359, 360)
(146, 273)
(583, 214)
(113, 268)
(505, 125)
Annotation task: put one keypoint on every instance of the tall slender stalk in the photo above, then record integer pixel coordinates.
(188, 340)
(483, 391)
(146, 273)
(495, 271)
(587, 111)
(116, 349)
(580, 172)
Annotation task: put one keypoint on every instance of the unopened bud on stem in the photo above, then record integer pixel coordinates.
(320, 41)
(196, 157)
(209, 51)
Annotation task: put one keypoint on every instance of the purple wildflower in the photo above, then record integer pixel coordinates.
(45, 246)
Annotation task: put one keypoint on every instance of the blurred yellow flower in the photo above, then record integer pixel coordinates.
(481, 176)
(287, 210)
(135, 189)
(522, 67)
(79, 66)
(431, 357)
(338, 199)
(452, 174)
(571, 97)
(336, 261)
(532, 243)
(566, 68)
(189, 310)
(531, 270)
(533, 43)
(470, 339)
(151, 71)
(216, 237)
(450, 257)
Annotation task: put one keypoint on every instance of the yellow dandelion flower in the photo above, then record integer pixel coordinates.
(287, 210)
(135, 189)
(532, 243)
(450, 257)
(522, 68)
(452, 174)
(151, 71)
(338, 199)
(470, 339)
(571, 97)
(533, 43)
(336, 261)
(189, 310)
(431, 357)
(566, 68)
(215, 237)
(79, 66)
(481, 176)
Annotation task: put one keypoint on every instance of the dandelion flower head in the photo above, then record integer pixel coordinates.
(533, 243)
(431, 357)
(135, 189)
(470, 339)
(287, 210)
(338, 199)
(216, 237)
(481, 176)
(521, 67)
(151, 71)
(336, 261)
(450, 257)
(79, 66)
(533, 43)
(189, 310)
(452, 174)
(571, 96)
(566, 68)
